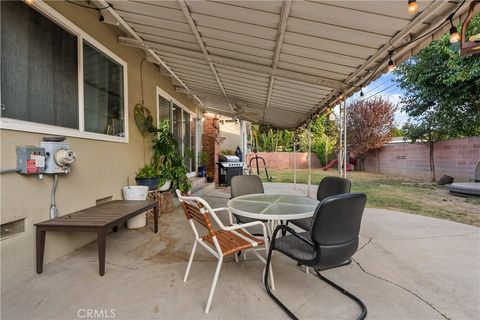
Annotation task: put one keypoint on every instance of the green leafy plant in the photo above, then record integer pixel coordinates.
(203, 158)
(227, 152)
(147, 171)
(166, 160)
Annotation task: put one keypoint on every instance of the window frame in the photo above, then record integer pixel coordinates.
(35, 127)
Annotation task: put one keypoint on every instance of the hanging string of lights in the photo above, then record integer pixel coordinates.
(412, 9)
(100, 17)
(454, 38)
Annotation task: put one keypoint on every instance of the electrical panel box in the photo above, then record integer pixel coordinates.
(30, 160)
(59, 157)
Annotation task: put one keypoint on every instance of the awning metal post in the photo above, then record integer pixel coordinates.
(344, 138)
(340, 147)
(294, 162)
(309, 132)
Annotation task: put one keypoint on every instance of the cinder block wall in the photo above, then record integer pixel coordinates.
(456, 158)
(285, 160)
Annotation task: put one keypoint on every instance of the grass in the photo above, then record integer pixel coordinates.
(401, 194)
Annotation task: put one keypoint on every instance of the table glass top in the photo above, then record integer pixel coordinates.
(273, 205)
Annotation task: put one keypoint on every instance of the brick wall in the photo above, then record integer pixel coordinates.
(285, 160)
(210, 144)
(456, 158)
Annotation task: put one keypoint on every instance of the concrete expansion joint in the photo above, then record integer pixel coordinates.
(401, 287)
(122, 266)
(441, 236)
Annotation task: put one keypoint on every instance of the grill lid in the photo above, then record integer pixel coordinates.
(223, 158)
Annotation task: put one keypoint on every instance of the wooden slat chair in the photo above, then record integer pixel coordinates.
(227, 240)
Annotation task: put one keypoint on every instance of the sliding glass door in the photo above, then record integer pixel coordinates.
(183, 126)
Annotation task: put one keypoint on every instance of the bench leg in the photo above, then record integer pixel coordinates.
(101, 251)
(155, 217)
(40, 249)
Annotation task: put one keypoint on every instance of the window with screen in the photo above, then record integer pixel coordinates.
(56, 79)
(39, 68)
(103, 92)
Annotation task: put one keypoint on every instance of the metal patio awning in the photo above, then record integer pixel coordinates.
(276, 62)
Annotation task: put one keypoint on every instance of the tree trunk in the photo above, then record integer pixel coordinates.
(361, 163)
(432, 162)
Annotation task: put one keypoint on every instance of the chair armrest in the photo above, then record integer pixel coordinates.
(246, 225)
(293, 232)
(243, 225)
(227, 210)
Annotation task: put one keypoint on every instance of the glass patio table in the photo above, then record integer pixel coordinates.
(273, 207)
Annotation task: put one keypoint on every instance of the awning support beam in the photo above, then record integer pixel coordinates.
(224, 61)
(287, 6)
(206, 55)
(127, 29)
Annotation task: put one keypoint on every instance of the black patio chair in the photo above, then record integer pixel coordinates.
(243, 185)
(330, 243)
(329, 186)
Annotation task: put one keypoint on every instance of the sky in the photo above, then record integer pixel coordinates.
(386, 87)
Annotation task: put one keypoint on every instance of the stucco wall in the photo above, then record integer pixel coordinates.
(101, 170)
(456, 158)
(230, 131)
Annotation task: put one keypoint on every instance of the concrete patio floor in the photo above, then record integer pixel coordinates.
(408, 267)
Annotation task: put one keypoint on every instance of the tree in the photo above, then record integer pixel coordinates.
(370, 124)
(429, 131)
(442, 95)
(443, 88)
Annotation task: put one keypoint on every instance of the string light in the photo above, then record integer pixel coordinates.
(29, 2)
(412, 6)
(391, 65)
(361, 93)
(454, 36)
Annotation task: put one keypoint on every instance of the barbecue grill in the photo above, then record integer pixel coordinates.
(229, 167)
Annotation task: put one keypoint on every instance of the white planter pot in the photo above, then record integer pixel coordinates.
(136, 193)
(166, 186)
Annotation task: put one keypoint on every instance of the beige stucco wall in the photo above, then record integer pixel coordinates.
(230, 131)
(101, 170)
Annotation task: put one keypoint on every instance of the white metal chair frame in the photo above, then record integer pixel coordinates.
(216, 251)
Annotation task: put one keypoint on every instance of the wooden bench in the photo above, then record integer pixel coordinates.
(99, 219)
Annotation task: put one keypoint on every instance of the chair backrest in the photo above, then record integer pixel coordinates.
(331, 186)
(477, 171)
(243, 185)
(336, 227)
(195, 210)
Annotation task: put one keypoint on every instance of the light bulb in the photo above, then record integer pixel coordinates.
(29, 2)
(412, 6)
(361, 93)
(391, 66)
(454, 36)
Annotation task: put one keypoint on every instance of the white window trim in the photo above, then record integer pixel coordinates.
(193, 115)
(29, 126)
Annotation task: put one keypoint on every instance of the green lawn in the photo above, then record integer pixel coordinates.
(400, 194)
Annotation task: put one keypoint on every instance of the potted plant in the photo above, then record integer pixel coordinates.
(180, 179)
(203, 158)
(164, 152)
(148, 176)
